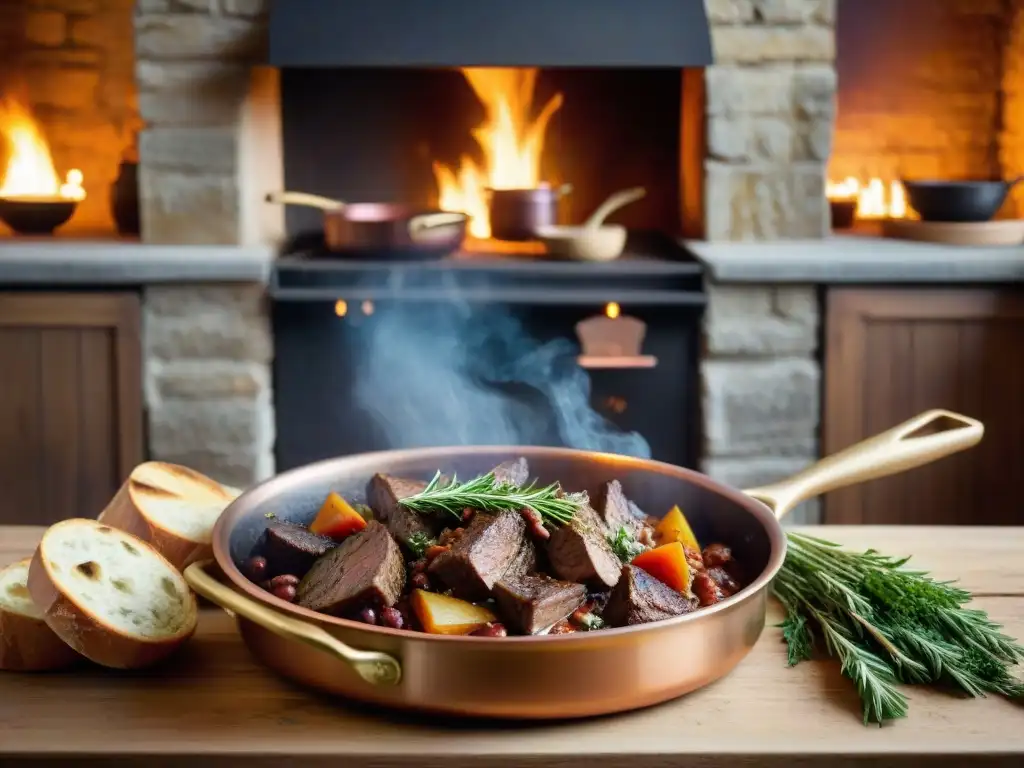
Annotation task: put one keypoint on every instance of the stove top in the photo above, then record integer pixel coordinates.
(654, 269)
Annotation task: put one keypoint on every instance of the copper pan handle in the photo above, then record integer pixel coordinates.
(374, 667)
(304, 198)
(432, 220)
(903, 447)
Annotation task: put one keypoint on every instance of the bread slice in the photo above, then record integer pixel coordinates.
(109, 595)
(26, 643)
(171, 507)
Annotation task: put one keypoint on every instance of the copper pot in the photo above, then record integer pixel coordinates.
(556, 676)
(517, 214)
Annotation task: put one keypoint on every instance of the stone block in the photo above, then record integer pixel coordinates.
(188, 209)
(210, 335)
(245, 300)
(178, 428)
(67, 89)
(814, 90)
(46, 27)
(758, 44)
(759, 201)
(745, 138)
(204, 150)
(794, 11)
(729, 11)
(209, 380)
(74, 58)
(761, 320)
(191, 93)
(252, 8)
(90, 31)
(734, 90)
(758, 471)
(760, 407)
(199, 36)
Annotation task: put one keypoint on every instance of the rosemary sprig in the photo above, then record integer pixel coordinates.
(487, 494)
(888, 624)
(624, 545)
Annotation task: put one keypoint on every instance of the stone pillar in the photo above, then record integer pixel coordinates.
(770, 110)
(761, 386)
(207, 382)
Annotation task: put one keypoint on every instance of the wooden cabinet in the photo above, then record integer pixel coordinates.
(70, 402)
(890, 354)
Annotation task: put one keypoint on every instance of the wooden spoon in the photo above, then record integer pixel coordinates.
(304, 198)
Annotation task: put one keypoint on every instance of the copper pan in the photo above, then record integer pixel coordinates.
(556, 676)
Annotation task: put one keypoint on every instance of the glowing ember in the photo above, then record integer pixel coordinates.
(510, 141)
(30, 172)
(874, 200)
(612, 310)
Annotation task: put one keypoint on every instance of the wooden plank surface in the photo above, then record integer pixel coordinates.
(213, 705)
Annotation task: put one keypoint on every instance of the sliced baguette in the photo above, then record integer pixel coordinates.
(109, 595)
(26, 643)
(171, 507)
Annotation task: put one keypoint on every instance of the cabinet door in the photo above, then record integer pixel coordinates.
(890, 354)
(70, 402)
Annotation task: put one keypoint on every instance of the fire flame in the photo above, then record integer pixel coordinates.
(30, 172)
(510, 141)
(874, 199)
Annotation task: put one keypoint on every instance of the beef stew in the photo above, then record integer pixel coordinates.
(494, 557)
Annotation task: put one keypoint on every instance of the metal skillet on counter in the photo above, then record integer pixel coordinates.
(543, 676)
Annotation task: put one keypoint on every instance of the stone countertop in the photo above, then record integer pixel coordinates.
(213, 705)
(67, 261)
(857, 259)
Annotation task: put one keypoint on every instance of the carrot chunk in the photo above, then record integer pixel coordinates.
(674, 527)
(337, 519)
(667, 564)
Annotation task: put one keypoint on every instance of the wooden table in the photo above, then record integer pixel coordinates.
(214, 706)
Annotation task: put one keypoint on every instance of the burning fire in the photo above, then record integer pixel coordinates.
(511, 143)
(874, 200)
(30, 172)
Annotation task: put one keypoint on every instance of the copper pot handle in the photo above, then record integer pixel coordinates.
(304, 198)
(433, 220)
(373, 666)
(903, 447)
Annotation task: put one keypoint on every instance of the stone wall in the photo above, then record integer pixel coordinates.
(761, 386)
(919, 89)
(1011, 138)
(75, 61)
(207, 379)
(769, 118)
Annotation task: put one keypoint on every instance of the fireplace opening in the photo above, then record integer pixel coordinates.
(440, 137)
(926, 90)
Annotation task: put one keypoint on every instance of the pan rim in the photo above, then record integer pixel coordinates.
(293, 477)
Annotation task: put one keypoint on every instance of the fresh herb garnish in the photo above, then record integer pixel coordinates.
(592, 621)
(889, 625)
(365, 511)
(419, 543)
(269, 515)
(624, 545)
(486, 493)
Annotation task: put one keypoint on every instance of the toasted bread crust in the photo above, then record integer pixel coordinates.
(27, 644)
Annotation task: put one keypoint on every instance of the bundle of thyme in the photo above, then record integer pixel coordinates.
(487, 494)
(887, 624)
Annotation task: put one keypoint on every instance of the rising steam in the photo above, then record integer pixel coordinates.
(448, 374)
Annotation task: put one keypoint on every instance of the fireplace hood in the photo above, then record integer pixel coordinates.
(458, 33)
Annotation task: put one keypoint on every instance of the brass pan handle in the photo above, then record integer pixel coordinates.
(374, 667)
(903, 447)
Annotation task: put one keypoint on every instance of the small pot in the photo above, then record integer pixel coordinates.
(957, 201)
(843, 213)
(517, 214)
(124, 199)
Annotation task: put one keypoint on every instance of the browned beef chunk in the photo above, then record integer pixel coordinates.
(524, 562)
(292, 549)
(579, 551)
(639, 598)
(384, 492)
(480, 555)
(532, 603)
(364, 570)
(616, 511)
(724, 580)
(706, 589)
(514, 471)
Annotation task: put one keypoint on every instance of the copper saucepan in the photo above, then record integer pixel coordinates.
(570, 675)
(392, 228)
